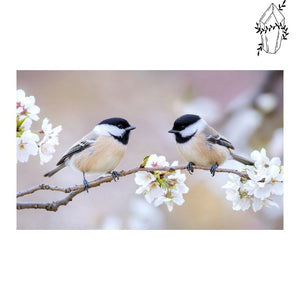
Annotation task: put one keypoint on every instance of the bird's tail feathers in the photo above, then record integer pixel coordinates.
(241, 159)
(55, 170)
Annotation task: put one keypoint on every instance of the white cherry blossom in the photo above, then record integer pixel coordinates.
(161, 186)
(46, 151)
(156, 161)
(265, 181)
(50, 139)
(50, 133)
(169, 198)
(26, 145)
(26, 106)
(143, 179)
(28, 142)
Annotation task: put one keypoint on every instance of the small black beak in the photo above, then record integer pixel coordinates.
(130, 128)
(173, 131)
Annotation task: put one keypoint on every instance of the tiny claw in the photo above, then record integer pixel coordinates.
(190, 168)
(115, 175)
(213, 169)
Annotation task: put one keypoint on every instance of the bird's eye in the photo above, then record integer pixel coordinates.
(120, 126)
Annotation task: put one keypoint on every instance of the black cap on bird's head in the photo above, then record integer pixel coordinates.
(185, 127)
(118, 122)
(184, 121)
(118, 128)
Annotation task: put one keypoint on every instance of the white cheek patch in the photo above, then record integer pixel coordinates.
(199, 126)
(106, 129)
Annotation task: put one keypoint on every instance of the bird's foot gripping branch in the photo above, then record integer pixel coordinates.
(255, 186)
(159, 181)
(163, 183)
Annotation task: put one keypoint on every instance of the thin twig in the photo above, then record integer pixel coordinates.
(43, 187)
(77, 189)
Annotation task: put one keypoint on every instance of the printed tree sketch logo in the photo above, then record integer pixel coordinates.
(272, 29)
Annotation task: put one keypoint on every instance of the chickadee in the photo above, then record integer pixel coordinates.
(200, 144)
(100, 151)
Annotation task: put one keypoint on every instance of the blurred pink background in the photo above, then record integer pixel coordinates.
(245, 106)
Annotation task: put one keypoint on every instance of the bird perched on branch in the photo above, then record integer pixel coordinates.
(100, 151)
(200, 144)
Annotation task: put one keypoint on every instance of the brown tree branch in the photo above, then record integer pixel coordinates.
(77, 189)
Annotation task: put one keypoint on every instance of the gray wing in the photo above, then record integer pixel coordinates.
(79, 146)
(75, 149)
(212, 136)
(216, 139)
